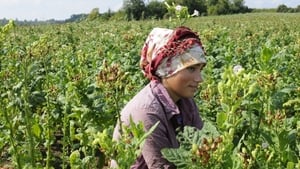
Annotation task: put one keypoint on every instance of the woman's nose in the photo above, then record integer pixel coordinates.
(198, 77)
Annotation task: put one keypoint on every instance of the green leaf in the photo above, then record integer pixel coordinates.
(292, 135)
(179, 157)
(283, 140)
(290, 165)
(36, 130)
(142, 139)
(225, 107)
(266, 55)
(221, 119)
(267, 136)
(75, 159)
(286, 90)
(209, 129)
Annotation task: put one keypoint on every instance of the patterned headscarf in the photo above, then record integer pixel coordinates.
(167, 51)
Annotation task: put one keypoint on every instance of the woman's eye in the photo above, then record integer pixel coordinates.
(191, 69)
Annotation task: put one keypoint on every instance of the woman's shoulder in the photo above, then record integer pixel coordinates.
(143, 101)
(143, 98)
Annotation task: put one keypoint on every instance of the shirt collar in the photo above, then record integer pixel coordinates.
(160, 92)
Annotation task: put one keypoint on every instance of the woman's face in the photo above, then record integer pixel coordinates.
(184, 83)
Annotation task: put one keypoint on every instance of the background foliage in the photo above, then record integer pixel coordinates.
(156, 9)
(62, 84)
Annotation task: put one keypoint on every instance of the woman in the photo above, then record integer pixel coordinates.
(173, 61)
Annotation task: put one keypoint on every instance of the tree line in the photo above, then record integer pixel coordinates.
(156, 9)
(139, 9)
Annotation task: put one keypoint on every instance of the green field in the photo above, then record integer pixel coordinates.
(63, 85)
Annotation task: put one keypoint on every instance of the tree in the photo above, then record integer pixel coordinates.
(210, 3)
(199, 5)
(218, 7)
(94, 14)
(223, 7)
(237, 6)
(76, 17)
(107, 15)
(282, 8)
(134, 9)
(298, 8)
(156, 9)
(118, 16)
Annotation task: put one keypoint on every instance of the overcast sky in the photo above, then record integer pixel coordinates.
(63, 9)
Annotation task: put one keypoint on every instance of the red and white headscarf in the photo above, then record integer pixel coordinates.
(167, 51)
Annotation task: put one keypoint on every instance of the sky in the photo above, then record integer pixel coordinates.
(63, 9)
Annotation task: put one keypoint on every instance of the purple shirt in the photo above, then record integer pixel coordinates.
(153, 104)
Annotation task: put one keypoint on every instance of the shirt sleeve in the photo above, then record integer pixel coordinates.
(197, 120)
(157, 140)
(192, 114)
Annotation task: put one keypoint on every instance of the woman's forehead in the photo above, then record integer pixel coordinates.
(200, 65)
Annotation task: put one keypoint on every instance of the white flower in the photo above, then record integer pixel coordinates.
(178, 8)
(264, 145)
(196, 13)
(237, 69)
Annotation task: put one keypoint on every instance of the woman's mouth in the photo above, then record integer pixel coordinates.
(194, 87)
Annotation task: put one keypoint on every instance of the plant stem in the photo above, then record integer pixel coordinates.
(65, 121)
(27, 115)
(48, 117)
(11, 136)
(116, 98)
(29, 133)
